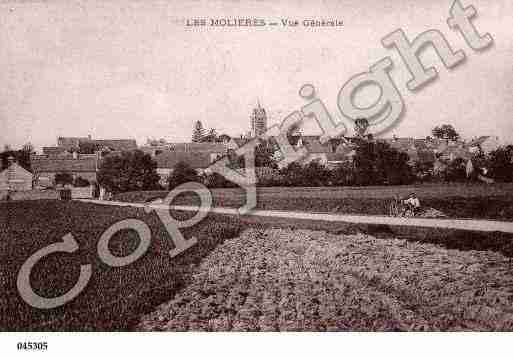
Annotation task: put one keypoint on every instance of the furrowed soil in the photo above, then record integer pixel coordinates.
(272, 279)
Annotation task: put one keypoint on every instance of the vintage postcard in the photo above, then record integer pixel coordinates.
(255, 166)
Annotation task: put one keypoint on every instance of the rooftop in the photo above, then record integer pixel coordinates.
(168, 159)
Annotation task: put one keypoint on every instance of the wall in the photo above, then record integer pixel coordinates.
(82, 192)
(21, 179)
(47, 178)
(31, 195)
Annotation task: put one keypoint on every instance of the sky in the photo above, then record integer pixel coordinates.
(132, 69)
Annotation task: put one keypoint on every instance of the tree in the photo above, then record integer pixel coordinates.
(312, 174)
(182, 173)
(81, 182)
(342, 175)
(198, 132)
(360, 126)
(423, 170)
(445, 132)
(377, 163)
(63, 178)
(215, 180)
(455, 171)
(264, 155)
(315, 174)
(223, 138)
(129, 171)
(292, 174)
(500, 164)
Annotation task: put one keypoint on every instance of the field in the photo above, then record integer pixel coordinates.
(114, 297)
(247, 274)
(455, 200)
(278, 279)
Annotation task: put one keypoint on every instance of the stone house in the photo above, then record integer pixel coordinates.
(167, 160)
(213, 150)
(45, 167)
(71, 144)
(15, 178)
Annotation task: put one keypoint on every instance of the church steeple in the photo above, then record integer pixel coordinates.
(258, 120)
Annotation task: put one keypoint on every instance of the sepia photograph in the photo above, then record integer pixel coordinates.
(205, 169)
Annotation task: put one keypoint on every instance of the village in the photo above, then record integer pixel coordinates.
(75, 161)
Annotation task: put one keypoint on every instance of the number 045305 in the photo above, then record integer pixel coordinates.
(32, 345)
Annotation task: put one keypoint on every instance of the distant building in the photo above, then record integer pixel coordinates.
(167, 160)
(70, 144)
(485, 144)
(56, 151)
(15, 178)
(213, 150)
(333, 153)
(258, 121)
(45, 167)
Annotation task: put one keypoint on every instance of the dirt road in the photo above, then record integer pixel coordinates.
(459, 224)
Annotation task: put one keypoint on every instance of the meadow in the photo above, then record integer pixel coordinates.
(115, 297)
(481, 201)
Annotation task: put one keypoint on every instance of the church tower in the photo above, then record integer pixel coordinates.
(258, 121)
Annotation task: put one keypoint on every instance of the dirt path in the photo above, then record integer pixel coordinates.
(460, 224)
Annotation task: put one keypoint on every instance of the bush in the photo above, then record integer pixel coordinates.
(455, 171)
(312, 174)
(342, 175)
(63, 178)
(130, 171)
(501, 164)
(424, 171)
(215, 180)
(81, 182)
(182, 173)
(377, 163)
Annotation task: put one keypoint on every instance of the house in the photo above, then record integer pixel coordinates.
(484, 143)
(45, 167)
(114, 145)
(70, 144)
(329, 153)
(15, 178)
(236, 142)
(426, 151)
(214, 150)
(167, 160)
(454, 150)
(56, 151)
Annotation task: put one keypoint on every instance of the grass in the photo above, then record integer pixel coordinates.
(115, 297)
(455, 200)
